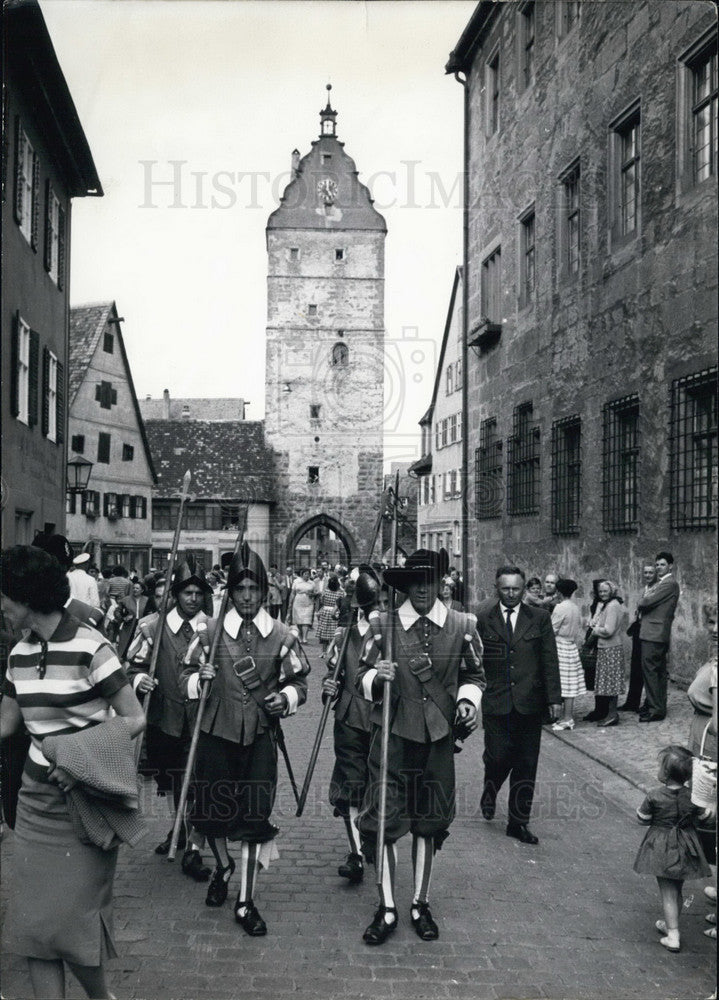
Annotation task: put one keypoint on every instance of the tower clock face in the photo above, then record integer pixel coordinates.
(327, 190)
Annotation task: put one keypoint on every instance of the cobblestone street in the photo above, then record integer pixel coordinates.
(566, 919)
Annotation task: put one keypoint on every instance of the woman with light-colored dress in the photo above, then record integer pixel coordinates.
(302, 603)
(609, 625)
(567, 626)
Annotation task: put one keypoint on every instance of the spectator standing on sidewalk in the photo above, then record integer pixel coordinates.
(551, 596)
(636, 678)
(608, 624)
(657, 609)
(533, 593)
(567, 626)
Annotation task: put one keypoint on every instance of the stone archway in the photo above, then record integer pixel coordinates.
(295, 536)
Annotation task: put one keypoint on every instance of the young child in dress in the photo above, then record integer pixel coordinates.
(671, 849)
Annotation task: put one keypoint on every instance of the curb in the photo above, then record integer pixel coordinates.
(598, 760)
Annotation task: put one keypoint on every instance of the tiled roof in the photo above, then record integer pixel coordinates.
(86, 325)
(227, 459)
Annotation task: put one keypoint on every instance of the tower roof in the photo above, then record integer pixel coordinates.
(325, 191)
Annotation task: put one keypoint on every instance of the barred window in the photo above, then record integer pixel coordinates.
(523, 463)
(693, 487)
(488, 472)
(566, 475)
(620, 494)
(705, 92)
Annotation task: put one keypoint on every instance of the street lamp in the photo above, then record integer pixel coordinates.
(78, 474)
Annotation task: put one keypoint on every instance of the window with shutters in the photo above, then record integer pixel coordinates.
(22, 379)
(453, 428)
(27, 174)
(70, 503)
(108, 342)
(141, 508)
(449, 383)
(103, 447)
(49, 395)
(128, 452)
(90, 503)
(694, 492)
(110, 506)
(124, 505)
(52, 235)
(105, 395)
(458, 375)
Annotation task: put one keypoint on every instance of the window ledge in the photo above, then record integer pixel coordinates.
(485, 335)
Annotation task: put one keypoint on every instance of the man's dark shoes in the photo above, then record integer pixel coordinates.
(593, 716)
(522, 833)
(250, 921)
(217, 889)
(487, 803)
(423, 923)
(352, 869)
(651, 718)
(626, 707)
(164, 847)
(379, 930)
(193, 867)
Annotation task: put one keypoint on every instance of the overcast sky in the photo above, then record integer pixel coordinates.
(227, 88)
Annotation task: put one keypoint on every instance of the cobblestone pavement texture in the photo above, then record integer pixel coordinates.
(565, 919)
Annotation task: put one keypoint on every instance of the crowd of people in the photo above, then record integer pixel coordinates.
(89, 670)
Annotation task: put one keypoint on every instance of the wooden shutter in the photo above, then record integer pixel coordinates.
(60, 403)
(48, 227)
(18, 170)
(34, 379)
(35, 201)
(45, 397)
(14, 361)
(61, 248)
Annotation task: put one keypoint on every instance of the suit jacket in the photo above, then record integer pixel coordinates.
(657, 609)
(525, 676)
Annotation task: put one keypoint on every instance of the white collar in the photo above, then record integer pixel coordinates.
(408, 616)
(175, 621)
(362, 623)
(665, 576)
(263, 622)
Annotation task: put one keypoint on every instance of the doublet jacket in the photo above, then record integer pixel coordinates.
(525, 676)
(169, 706)
(350, 707)
(455, 650)
(231, 712)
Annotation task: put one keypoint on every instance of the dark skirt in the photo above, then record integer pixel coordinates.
(671, 852)
(60, 889)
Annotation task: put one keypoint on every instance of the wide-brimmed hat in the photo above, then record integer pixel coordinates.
(367, 586)
(247, 564)
(188, 572)
(422, 565)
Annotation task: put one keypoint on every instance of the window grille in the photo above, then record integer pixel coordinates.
(693, 485)
(523, 464)
(488, 472)
(705, 93)
(620, 494)
(566, 475)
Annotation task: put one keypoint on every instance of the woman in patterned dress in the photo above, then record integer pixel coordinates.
(609, 623)
(62, 677)
(329, 613)
(567, 626)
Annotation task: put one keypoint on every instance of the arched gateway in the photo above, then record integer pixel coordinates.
(296, 534)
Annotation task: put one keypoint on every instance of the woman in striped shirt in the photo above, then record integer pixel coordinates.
(62, 677)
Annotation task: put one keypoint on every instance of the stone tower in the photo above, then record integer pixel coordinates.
(325, 349)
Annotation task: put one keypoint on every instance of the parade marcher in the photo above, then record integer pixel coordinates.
(256, 679)
(436, 682)
(82, 585)
(63, 678)
(170, 716)
(352, 718)
(522, 670)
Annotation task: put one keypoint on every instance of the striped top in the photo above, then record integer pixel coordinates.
(64, 684)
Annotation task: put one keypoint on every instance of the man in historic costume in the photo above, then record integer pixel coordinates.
(256, 679)
(352, 712)
(170, 715)
(437, 681)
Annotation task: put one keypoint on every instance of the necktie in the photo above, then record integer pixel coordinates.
(510, 630)
(187, 631)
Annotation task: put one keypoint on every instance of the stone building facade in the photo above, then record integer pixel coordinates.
(113, 516)
(325, 347)
(439, 514)
(46, 162)
(591, 294)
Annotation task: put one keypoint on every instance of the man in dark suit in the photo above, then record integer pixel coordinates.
(656, 609)
(522, 671)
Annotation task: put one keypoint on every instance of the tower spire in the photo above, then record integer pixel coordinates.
(328, 117)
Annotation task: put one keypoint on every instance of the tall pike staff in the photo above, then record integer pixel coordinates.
(386, 703)
(184, 494)
(335, 675)
(187, 777)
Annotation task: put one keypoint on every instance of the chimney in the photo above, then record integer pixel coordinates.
(166, 404)
(295, 163)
